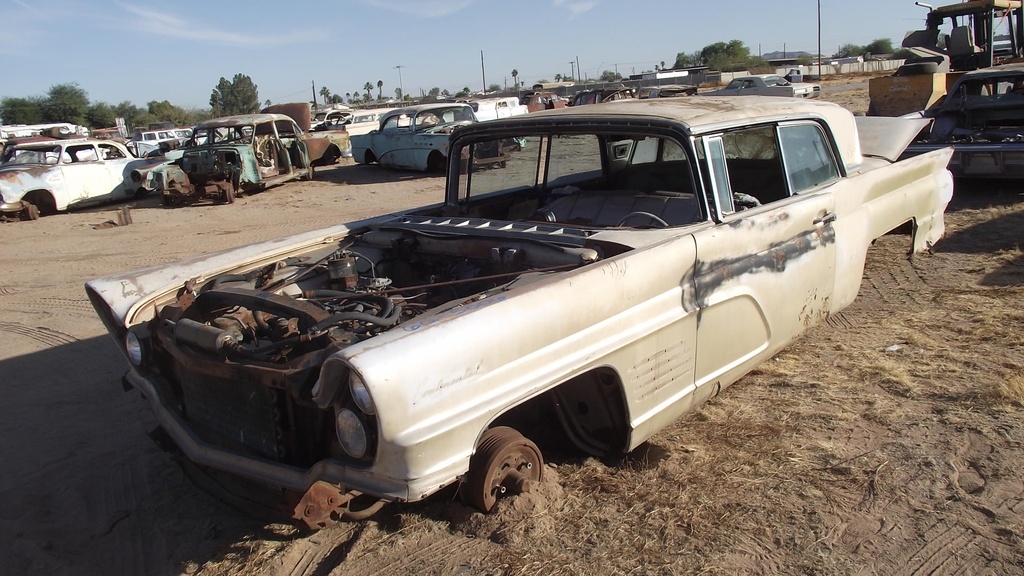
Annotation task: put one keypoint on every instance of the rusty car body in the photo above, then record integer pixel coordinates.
(412, 138)
(229, 156)
(602, 95)
(628, 262)
(666, 91)
(537, 101)
(57, 175)
(982, 118)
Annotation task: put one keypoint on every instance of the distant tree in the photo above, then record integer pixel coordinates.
(348, 96)
(558, 78)
(662, 64)
(65, 103)
(337, 99)
(684, 60)
(267, 103)
(100, 115)
(849, 51)
(493, 88)
(131, 113)
(239, 96)
(21, 110)
(325, 94)
(446, 93)
(380, 89)
(515, 77)
(368, 87)
(398, 93)
(463, 93)
(879, 46)
(609, 76)
(432, 95)
(727, 56)
(805, 60)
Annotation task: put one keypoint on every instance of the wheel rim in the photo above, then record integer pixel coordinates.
(505, 463)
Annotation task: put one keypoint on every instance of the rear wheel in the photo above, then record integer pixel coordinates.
(369, 158)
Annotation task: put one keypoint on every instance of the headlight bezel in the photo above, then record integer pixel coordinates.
(360, 393)
(134, 349)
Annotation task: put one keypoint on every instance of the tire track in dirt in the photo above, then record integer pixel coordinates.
(948, 550)
(46, 336)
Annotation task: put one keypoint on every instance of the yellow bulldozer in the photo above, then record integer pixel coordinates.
(957, 38)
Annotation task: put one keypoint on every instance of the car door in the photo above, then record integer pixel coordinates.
(765, 271)
(85, 176)
(116, 163)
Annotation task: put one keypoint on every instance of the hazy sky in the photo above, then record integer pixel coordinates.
(178, 50)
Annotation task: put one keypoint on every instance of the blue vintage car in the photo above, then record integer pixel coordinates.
(414, 138)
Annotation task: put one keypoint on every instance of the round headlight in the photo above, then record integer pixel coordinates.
(360, 394)
(351, 433)
(133, 347)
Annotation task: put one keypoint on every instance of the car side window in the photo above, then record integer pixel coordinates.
(84, 153)
(573, 159)
(808, 158)
(110, 152)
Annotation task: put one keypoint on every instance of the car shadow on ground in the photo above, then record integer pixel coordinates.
(83, 484)
(999, 230)
(370, 174)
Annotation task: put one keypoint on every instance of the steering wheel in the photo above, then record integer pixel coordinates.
(655, 219)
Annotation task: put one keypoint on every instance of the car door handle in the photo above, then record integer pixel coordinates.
(828, 218)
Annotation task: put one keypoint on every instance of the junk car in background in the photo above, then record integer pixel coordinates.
(414, 138)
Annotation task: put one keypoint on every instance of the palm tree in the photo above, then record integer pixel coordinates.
(368, 87)
(380, 88)
(558, 77)
(348, 96)
(325, 94)
(515, 77)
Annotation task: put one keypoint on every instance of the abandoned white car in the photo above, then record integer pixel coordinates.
(767, 85)
(57, 175)
(414, 138)
(627, 262)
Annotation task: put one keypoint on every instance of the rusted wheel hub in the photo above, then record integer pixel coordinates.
(505, 462)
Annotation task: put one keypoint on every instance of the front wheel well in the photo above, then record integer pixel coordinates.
(42, 199)
(588, 410)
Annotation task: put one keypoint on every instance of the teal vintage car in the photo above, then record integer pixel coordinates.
(230, 156)
(414, 138)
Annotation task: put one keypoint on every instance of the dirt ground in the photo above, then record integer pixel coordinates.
(888, 441)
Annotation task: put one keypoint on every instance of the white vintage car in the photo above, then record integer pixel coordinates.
(56, 175)
(414, 138)
(627, 262)
(767, 85)
(495, 108)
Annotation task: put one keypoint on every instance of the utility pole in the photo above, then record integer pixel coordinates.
(819, 40)
(401, 90)
(313, 82)
(483, 74)
(572, 70)
(579, 71)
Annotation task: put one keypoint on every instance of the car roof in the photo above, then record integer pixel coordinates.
(50, 143)
(698, 115)
(1015, 68)
(242, 120)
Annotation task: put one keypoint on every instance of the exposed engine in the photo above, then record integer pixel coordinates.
(241, 352)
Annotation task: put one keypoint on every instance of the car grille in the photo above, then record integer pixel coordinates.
(234, 413)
